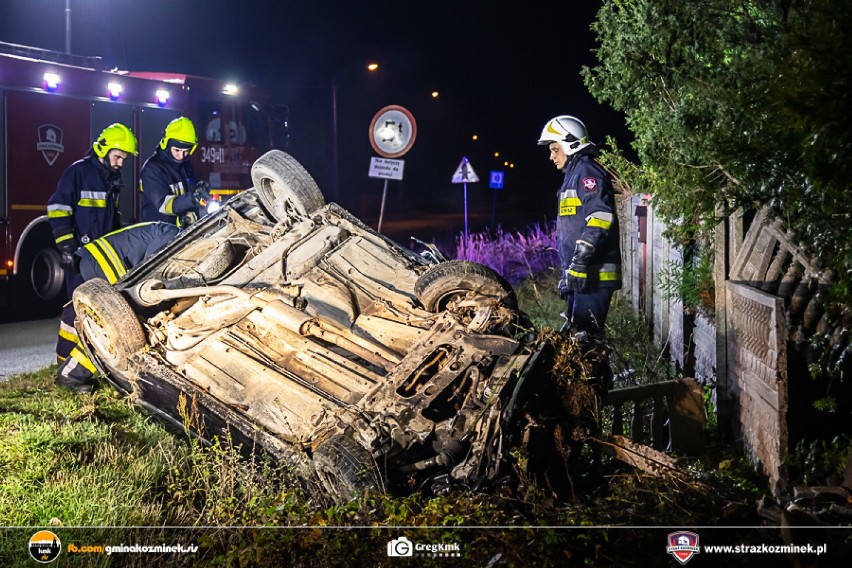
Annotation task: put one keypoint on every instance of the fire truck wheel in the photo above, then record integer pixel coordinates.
(107, 323)
(449, 280)
(39, 287)
(345, 468)
(284, 186)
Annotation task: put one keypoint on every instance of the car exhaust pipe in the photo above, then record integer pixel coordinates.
(152, 292)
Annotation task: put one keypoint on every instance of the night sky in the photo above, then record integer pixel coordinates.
(501, 70)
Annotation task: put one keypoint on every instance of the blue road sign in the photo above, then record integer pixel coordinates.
(496, 181)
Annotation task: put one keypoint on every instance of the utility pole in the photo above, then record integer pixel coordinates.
(68, 26)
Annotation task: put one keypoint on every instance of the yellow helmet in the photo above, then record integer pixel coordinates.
(182, 130)
(115, 137)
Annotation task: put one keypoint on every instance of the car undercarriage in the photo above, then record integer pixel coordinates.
(292, 326)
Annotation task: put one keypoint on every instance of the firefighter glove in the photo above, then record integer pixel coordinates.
(66, 255)
(201, 194)
(577, 275)
(562, 288)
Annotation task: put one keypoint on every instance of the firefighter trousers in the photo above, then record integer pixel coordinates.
(72, 359)
(587, 311)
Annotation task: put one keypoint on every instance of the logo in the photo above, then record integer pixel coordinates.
(590, 184)
(45, 546)
(50, 142)
(400, 547)
(682, 545)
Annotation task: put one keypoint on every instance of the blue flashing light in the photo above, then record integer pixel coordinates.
(51, 82)
(114, 90)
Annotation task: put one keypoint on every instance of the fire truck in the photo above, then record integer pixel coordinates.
(53, 105)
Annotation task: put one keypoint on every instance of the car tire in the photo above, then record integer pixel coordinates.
(448, 280)
(345, 468)
(283, 185)
(110, 327)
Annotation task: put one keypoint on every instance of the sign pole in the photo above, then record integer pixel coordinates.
(392, 132)
(382, 208)
(464, 174)
(465, 222)
(495, 184)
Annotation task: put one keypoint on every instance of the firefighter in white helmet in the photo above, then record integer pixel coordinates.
(587, 226)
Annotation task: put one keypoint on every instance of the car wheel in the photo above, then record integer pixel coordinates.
(283, 185)
(452, 279)
(345, 468)
(109, 325)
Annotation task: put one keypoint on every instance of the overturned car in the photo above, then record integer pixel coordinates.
(292, 326)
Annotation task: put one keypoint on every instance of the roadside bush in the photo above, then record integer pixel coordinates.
(516, 256)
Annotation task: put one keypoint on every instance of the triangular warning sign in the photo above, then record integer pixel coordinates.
(464, 173)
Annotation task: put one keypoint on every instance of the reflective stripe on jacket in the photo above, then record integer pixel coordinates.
(85, 203)
(167, 188)
(587, 213)
(112, 255)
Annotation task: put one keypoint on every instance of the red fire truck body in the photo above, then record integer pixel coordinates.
(53, 105)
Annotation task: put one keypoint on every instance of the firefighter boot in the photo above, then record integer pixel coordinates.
(74, 375)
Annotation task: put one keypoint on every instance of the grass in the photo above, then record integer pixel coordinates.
(72, 460)
(67, 459)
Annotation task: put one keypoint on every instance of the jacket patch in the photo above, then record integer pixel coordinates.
(590, 184)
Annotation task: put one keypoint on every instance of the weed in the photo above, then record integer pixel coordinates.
(819, 462)
(691, 282)
(635, 358)
(516, 256)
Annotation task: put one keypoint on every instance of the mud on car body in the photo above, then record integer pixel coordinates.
(291, 325)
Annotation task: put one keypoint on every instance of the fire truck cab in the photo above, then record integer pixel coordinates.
(53, 105)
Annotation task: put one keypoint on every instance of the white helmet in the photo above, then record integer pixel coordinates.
(570, 132)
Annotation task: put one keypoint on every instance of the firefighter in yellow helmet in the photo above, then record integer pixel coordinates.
(170, 192)
(84, 208)
(109, 258)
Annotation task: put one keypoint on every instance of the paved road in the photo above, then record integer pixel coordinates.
(27, 346)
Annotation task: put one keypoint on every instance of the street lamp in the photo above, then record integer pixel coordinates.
(335, 172)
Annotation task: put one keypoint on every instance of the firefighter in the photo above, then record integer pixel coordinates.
(170, 192)
(587, 226)
(85, 207)
(110, 257)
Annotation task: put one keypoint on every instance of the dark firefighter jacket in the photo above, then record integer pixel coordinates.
(587, 212)
(166, 188)
(85, 204)
(112, 255)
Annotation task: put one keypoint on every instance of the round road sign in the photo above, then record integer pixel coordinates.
(392, 131)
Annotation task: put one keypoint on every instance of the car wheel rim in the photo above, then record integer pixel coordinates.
(98, 336)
